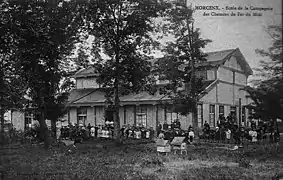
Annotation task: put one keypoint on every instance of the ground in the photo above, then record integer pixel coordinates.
(138, 160)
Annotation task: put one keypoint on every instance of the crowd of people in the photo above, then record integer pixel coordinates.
(137, 132)
(227, 130)
(169, 131)
(79, 132)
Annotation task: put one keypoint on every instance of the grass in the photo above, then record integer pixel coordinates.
(139, 161)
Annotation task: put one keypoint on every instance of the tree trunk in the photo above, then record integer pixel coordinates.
(194, 116)
(44, 130)
(2, 118)
(276, 123)
(116, 112)
(53, 128)
(2, 137)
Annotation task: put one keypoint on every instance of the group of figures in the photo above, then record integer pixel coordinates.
(137, 132)
(228, 131)
(80, 132)
(170, 131)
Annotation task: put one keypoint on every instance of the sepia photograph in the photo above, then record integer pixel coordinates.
(141, 90)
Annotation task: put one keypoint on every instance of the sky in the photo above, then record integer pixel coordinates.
(244, 32)
(230, 32)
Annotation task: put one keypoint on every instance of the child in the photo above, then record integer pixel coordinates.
(161, 135)
(228, 135)
(92, 132)
(191, 135)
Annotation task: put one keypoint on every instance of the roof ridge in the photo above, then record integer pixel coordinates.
(210, 52)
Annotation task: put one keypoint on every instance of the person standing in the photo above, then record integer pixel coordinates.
(191, 135)
(165, 126)
(92, 132)
(228, 135)
(178, 124)
(159, 128)
(161, 135)
(276, 136)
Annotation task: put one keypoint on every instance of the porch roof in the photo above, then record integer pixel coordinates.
(92, 97)
(79, 97)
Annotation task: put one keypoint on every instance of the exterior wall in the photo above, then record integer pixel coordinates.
(161, 114)
(18, 120)
(210, 96)
(205, 107)
(121, 115)
(86, 83)
(232, 63)
(95, 115)
(185, 121)
(211, 74)
(239, 93)
(225, 75)
(225, 93)
(150, 115)
(90, 116)
(100, 112)
(240, 79)
(73, 115)
(130, 116)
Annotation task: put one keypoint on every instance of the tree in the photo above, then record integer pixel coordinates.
(82, 60)
(42, 33)
(12, 87)
(273, 67)
(121, 30)
(267, 94)
(267, 100)
(181, 56)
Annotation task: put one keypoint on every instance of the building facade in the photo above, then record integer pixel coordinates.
(224, 79)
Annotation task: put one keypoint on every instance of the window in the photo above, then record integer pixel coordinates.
(82, 115)
(221, 111)
(28, 119)
(233, 77)
(170, 115)
(212, 115)
(141, 115)
(200, 115)
(243, 114)
(233, 111)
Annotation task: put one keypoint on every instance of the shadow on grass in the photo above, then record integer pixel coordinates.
(136, 160)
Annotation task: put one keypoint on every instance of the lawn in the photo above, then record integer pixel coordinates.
(105, 160)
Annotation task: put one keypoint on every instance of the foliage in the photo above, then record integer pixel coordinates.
(121, 31)
(82, 59)
(267, 95)
(179, 65)
(267, 99)
(41, 35)
(273, 66)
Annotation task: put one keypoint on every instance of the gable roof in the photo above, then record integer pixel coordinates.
(218, 58)
(87, 72)
(218, 55)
